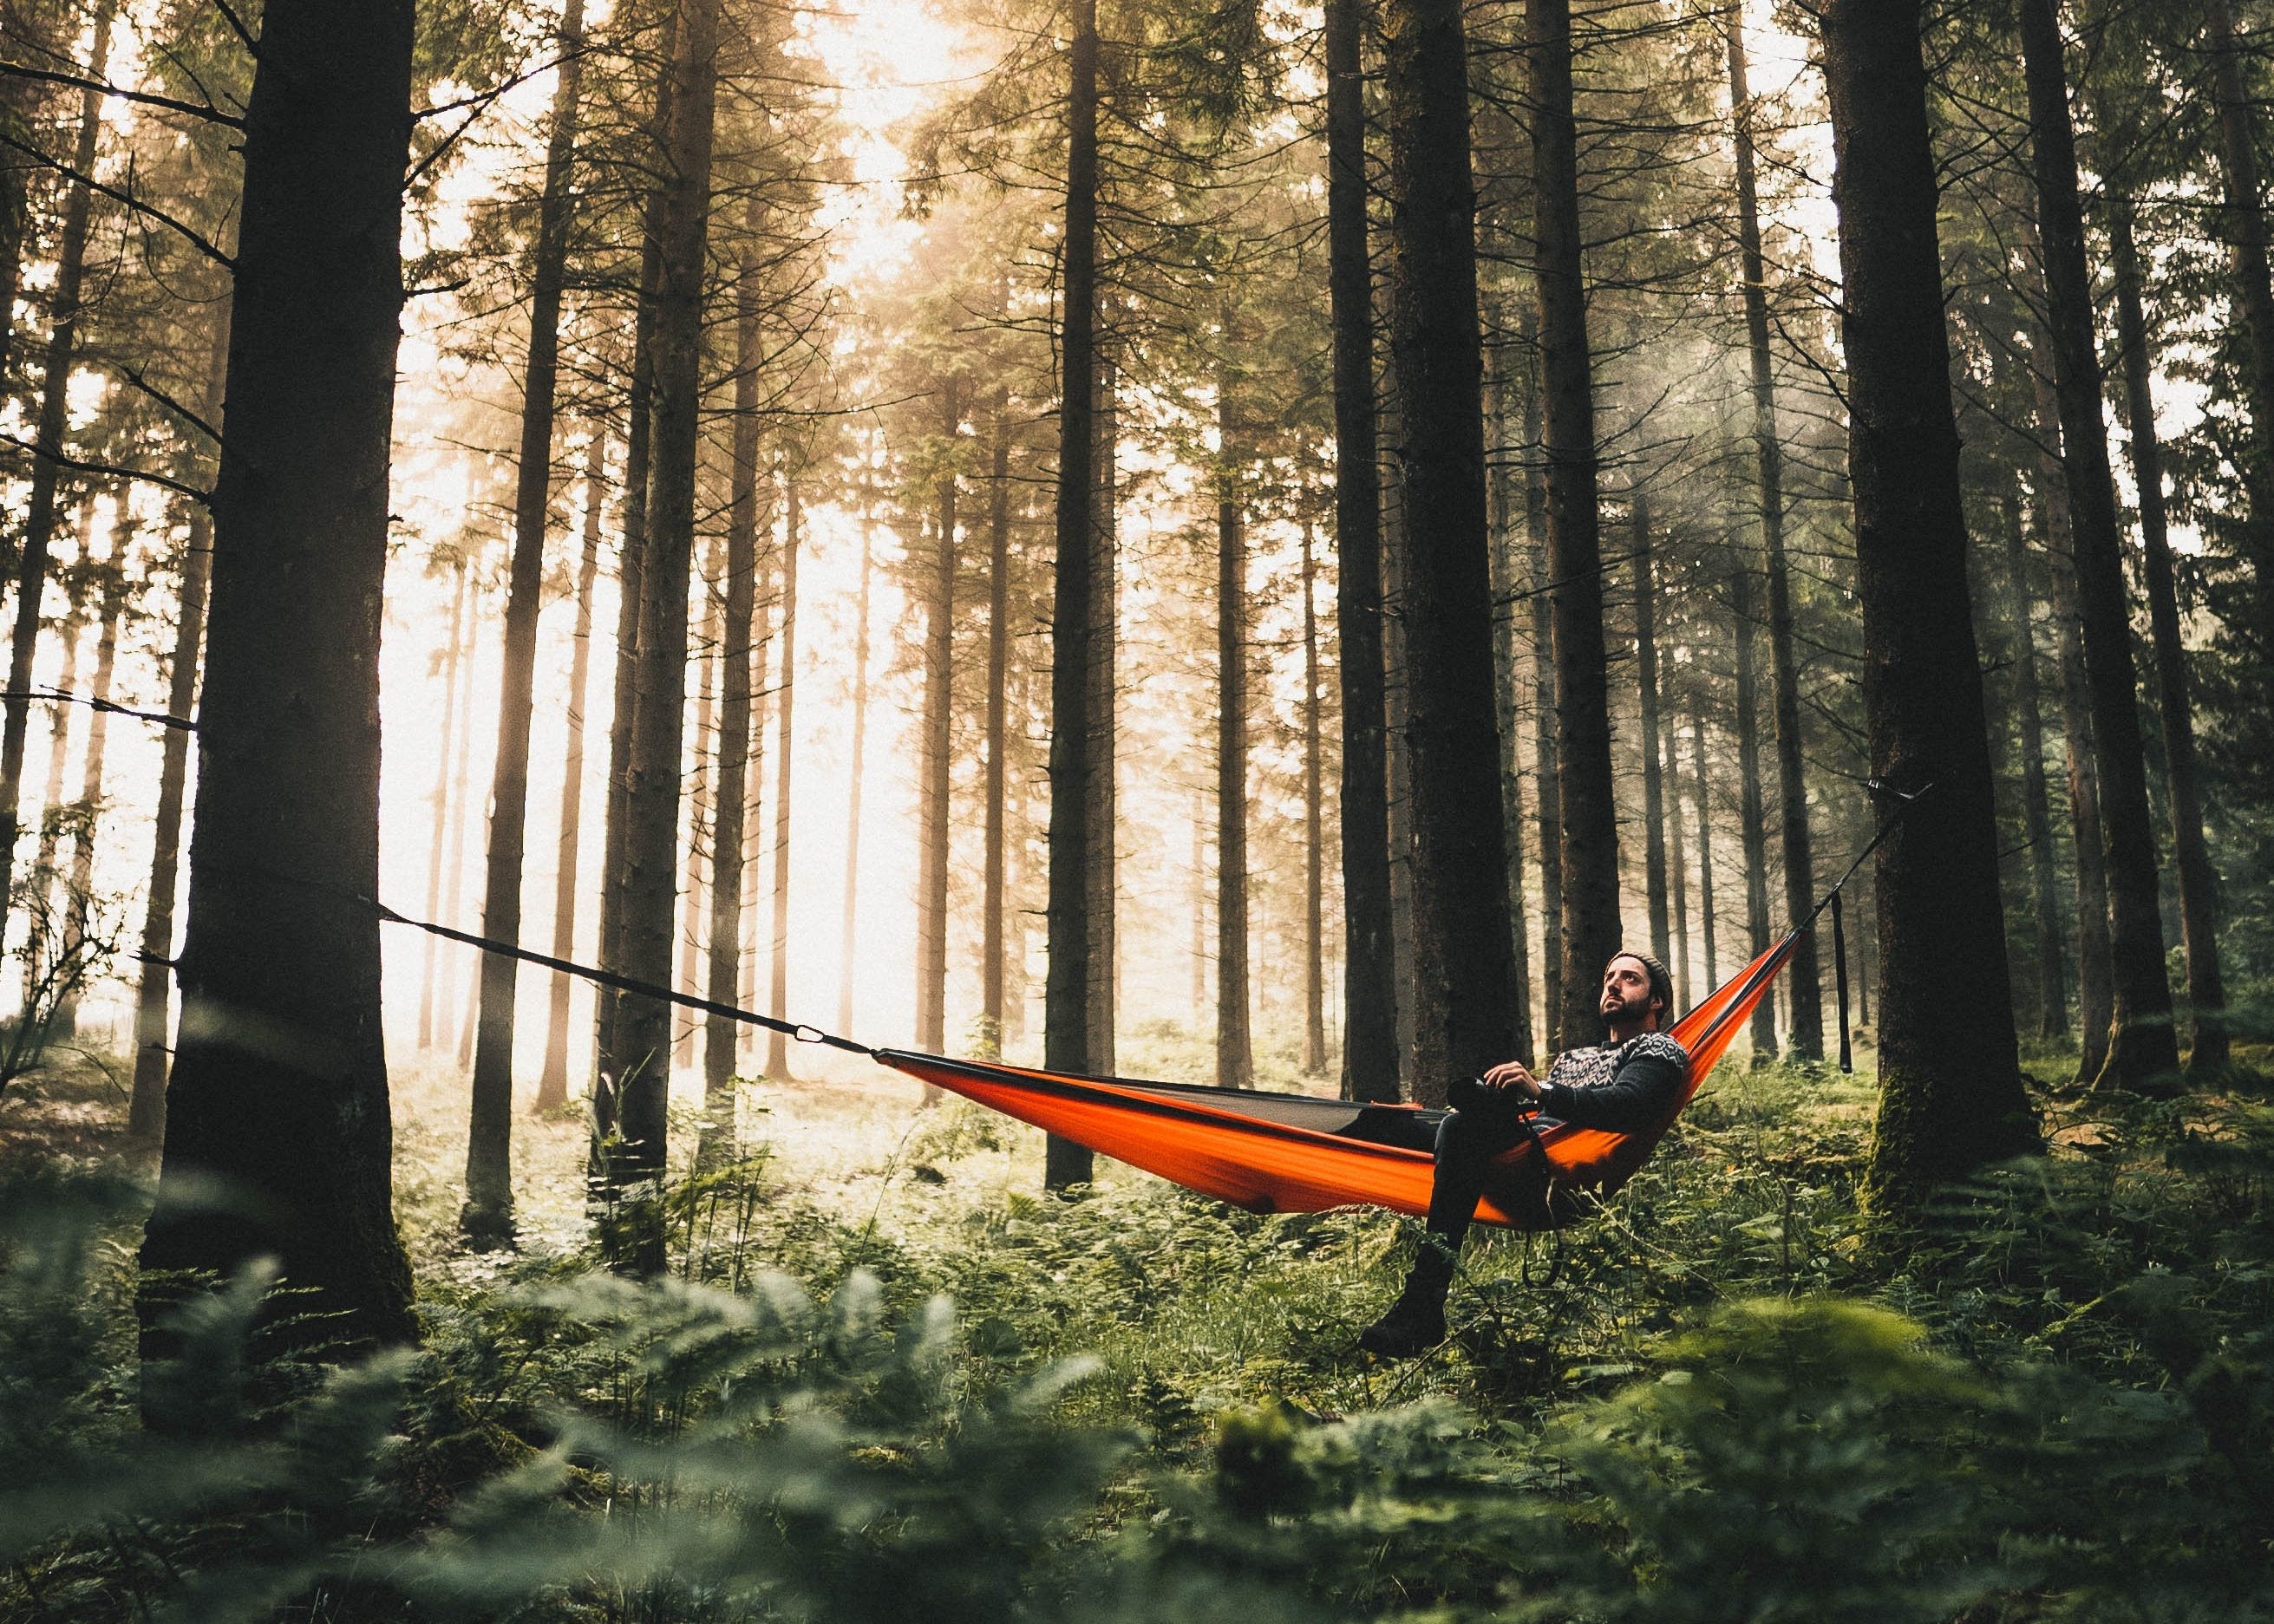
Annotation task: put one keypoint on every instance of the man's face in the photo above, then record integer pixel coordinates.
(1626, 991)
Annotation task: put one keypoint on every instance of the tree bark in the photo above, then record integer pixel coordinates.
(279, 1094)
(1104, 721)
(1314, 990)
(486, 1220)
(1950, 1088)
(2245, 238)
(689, 937)
(848, 928)
(2198, 883)
(1502, 519)
(1802, 977)
(2143, 1047)
(88, 808)
(932, 805)
(1369, 1068)
(641, 1060)
(1753, 820)
(1235, 1059)
(1670, 775)
(777, 1065)
(1704, 842)
(991, 947)
(1653, 789)
(1543, 723)
(553, 1083)
(2037, 819)
(64, 310)
(2095, 995)
(1065, 1016)
(437, 853)
(1589, 832)
(1461, 1020)
(146, 1111)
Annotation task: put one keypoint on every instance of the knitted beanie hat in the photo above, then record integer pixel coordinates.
(1661, 979)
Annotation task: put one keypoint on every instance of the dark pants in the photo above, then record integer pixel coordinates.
(1464, 1142)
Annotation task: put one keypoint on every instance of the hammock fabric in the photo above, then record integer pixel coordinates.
(1282, 1153)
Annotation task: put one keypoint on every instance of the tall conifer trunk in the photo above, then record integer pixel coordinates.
(938, 664)
(991, 946)
(1802, 977)
(1502, 516)
(777, 1065)
(553, 1082)
(1670, 775)
(1461, 1020)
(146, 1111)
(1653, 789)
(285, 843)
(847, 959)
(1950, 1089)
(2245, 232)
(1065, 1014)
(438, 851)
(53, 423)
(2143, 1047)
(2037, 819)
(641, 1056)
(487, 1217)
(1752, 822)
(1104, 721)
(1369, 1070)
(1314, 992)
(2198, 883)
(1543, 721)
(89, 807)
(1235, 1060)
(1589, 832)
(1705, 841)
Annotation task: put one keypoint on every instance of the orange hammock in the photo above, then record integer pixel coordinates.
(1282, 1153)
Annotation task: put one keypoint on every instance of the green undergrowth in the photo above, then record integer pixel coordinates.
(1724, 1397)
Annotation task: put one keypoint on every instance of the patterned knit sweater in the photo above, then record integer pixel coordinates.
(1626, 1087)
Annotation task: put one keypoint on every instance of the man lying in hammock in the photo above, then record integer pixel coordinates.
(1627, 1084)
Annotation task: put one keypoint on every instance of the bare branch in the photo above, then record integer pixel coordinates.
(195, 109)
(188, 233)
(81, 466)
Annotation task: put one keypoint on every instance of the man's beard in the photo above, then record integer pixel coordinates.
(1621, 1012)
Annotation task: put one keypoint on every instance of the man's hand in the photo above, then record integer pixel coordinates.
(1515, 1076)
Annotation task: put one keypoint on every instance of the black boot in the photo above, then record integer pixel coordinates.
(1415, 1323)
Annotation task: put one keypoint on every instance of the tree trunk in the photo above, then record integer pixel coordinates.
(459, 1009)
(1670, 775)
(487, 1218)
(1314, 989)
(1705, 841)
(1502, 516)
(933, 806)
(1950, 1089)
(848, 933)
(53, 812)
(1065, 1019)
(1543, 723)
(631, 568)
(991, 947)
(2245, 239)
(641, 1060)
(1590, 831)
(285, 844)
(730, 826)
(2198, 883)
(1653, 789)
(88, 808)
(146, 1111)
(1461, 1020)
(553, 1083)
(2143, 1047)
(1104, 718)
(690, 937)
(54, 424)
(756, 928)
(1802, 977)
(777, 1065)
(2096, 993)
(1753, 820)
(437, 853)
(1369, 1069)
(2036, 820)
(1235, 1059)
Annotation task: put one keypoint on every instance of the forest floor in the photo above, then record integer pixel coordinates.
(2135, 1257)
